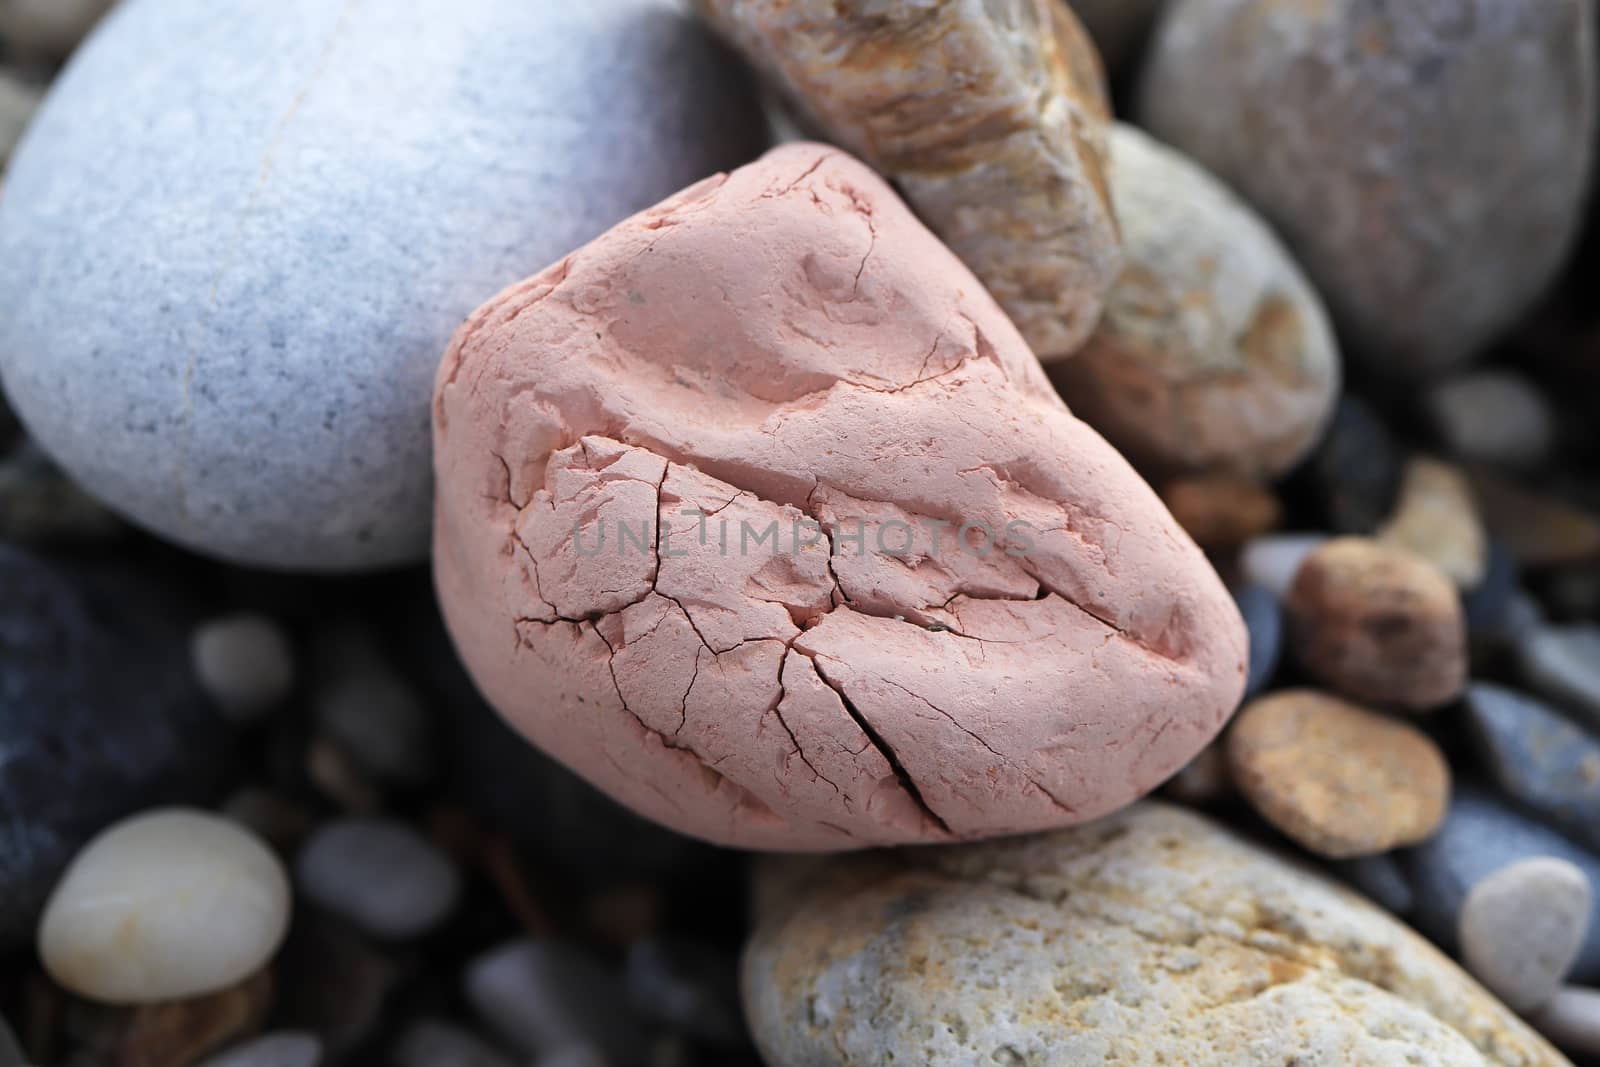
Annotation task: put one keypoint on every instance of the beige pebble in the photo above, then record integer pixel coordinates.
(169, 904)
(1340, 780)
(1436, 517)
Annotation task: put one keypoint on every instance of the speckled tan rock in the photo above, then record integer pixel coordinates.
(1340, 780)
(1213, 353)
(1429, 203)
(992, 117)
(1437, 518)
(1221, 511)
(1378, 624)
(1153, 936)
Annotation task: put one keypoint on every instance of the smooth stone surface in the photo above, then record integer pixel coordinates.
(49, 29)
(1272, 562)
(292, 214)
(990, 116)
(1563, 663)
(804, 693)
(1339, 779)
(380, 875)
(689, 987)
(1430, 205)
(1221, 512)
(245, 664)
(1356, 469)
(544, 995)
(1436, 518)
(1540, 758)
(40, 505)
(273, 1050)
(431, 1043)
(1380, 878)
(1213, 353)
(1263, 618)
(1152, 936)
(170, 904)
(1378, 624)
(100, 716)
(1572, 1020)
(1492, 416)
(1481, 834)
(18, 101)
(1520, 929)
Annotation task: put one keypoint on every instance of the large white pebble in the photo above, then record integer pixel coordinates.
(1522, 927)
(169, 904)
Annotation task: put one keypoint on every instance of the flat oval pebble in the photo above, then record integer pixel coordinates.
(999, 629)
(1538, 757)
(272, 1050)
(169, 904)
(1378, 624)
(1520, 929)
(1341, 780)
(291, 213)
(245, 663)
(380, 875)
(1151, 937)
(1213, 352)
(990, 115)
(1492, 416)
(1430, 205)
(1437, 519)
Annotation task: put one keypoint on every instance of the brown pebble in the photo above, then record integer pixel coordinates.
(1378, 624)
(1340, 780)
(1221, 511)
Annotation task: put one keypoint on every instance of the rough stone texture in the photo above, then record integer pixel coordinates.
(1481, 834)
(1116, 26)
(780, 694)
(1437, 519)
(1221, 511)
(990, 115)
(291, 212)
(1539, 758)
(100, 716)
(1492, 416)
(1151, 937)
(48, 29)
(1521, 928)
(1378, 624)
(1430, 205)
(1213, 352)
(1340, 780)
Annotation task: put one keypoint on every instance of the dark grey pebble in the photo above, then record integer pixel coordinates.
(1562, 663)
(1487, 605)
(1481, 834)
(1539, 757)
(1355, 471)
(1380, 878)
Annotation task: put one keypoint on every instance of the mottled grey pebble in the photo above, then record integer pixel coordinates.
(1540, 758)
(431, 1043)
(1492, 417)
(1380, 878)
(1271, 562)
(380, 875)
(244, 662)
(543, 995)
(1521, 927)
(1563, 663)
(1263, 617)
(1480, 835)
(272, 1050)
(686, 985)
(292, 214)
(1572, 1020)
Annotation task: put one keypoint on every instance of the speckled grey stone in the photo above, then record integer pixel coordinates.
(1479, 836)
(1539, 757)
(231, 265)
(1563, 663)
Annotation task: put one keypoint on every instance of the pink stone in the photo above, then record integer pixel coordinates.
(788, 345)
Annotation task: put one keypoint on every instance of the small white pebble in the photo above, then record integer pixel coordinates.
(1521, 928)
(1572, 1020)
(1273, 561)
(170, 904)
(245, 663)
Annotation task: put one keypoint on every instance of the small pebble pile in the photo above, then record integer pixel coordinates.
(1172, 628)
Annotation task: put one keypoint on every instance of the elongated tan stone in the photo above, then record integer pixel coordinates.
(992, 117)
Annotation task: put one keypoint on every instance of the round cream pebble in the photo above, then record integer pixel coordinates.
(169, 904)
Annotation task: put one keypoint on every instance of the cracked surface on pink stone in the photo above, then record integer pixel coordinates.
(789, 344)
